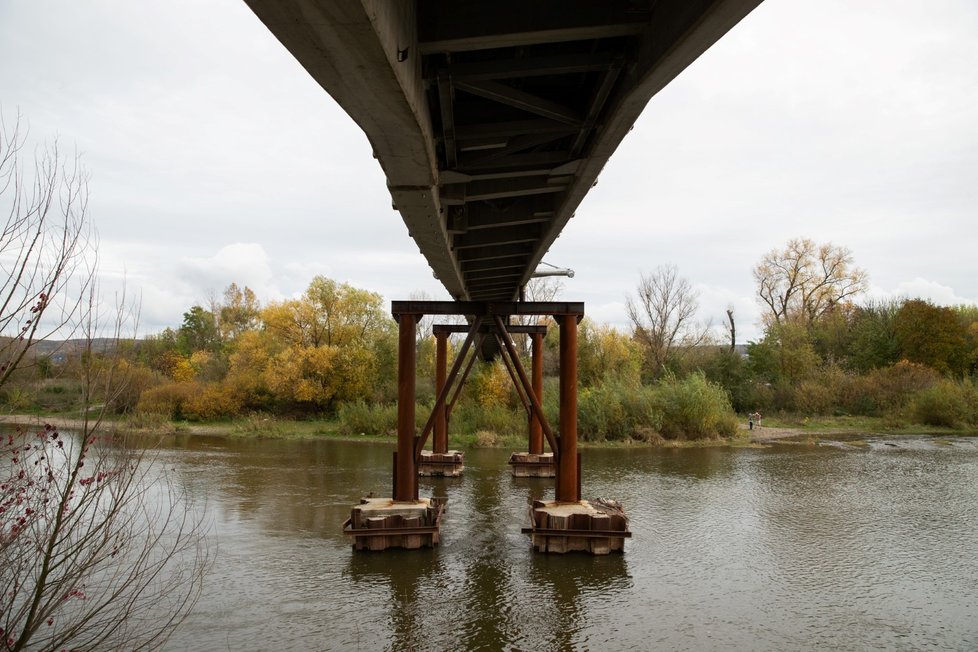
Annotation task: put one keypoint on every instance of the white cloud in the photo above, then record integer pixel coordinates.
(242, 263)
(921, 288)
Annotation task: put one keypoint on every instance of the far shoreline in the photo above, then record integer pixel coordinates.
(782, 430)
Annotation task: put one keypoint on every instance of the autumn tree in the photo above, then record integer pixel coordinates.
(603, 353)
(804, 280)
(968, 316)
(324, 344)
(239, 312)
(663, 313)
(932, 335)
(329, 314)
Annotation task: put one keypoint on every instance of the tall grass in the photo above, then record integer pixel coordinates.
(694, 408)
(617, 412)
(368, 418)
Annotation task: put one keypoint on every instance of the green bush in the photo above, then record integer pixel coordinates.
(755, 396)
(369, 419)
(694, 408)
(947, 403)
(468, 418)
(813, 398)
(889, 390)
(616, 412)
(19, 398)
(149, 421)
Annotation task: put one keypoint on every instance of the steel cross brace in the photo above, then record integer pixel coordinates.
(420, 440)
(527, 386)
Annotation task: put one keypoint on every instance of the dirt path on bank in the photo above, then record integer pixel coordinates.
(32, 420)
(759, 434)
(764, 433)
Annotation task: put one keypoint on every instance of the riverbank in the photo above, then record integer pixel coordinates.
(800, 429)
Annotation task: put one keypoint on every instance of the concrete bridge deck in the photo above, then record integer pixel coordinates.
(492, 120)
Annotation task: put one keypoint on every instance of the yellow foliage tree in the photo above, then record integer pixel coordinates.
(492, 385)
(246, 368)
(329, 314)
(303, 374)
(182, 370)
(605, 353)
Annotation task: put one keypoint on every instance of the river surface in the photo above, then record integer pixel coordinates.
(791, 547)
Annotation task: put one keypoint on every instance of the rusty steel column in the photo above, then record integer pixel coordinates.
(536, 430)
(439, 442)
(406, 472)
(567, 473)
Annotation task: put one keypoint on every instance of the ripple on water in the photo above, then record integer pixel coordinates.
(782, 548)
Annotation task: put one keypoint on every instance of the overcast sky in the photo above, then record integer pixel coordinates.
(215, 158)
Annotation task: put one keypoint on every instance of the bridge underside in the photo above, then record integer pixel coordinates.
(492, 120)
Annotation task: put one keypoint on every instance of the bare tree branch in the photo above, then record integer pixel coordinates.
(46, 247)
(804, 280)
(662, 314)
(100, 548)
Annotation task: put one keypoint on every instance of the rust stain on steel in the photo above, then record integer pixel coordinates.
(567, 464)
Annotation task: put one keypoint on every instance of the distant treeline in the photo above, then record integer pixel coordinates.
(332, 353)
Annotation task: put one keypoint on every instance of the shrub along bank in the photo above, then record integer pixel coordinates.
(689, 408)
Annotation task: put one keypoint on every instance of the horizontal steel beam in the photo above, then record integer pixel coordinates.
(514, 262)
(494, 252)
(449, 329)
(511, 128)
(530, 67)
(502, 235)
(486, 308)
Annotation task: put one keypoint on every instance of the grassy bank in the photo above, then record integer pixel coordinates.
(782, 427)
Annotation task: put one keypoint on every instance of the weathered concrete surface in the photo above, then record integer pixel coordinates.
(380, 523)
(599, 527)
(450, 464)
(533, 465)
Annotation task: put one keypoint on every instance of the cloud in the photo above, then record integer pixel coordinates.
(921, 288)
(242, 263)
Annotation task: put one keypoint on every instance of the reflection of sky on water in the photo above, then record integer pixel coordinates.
(778, 548)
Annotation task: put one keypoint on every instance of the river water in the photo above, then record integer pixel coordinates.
(787, 547)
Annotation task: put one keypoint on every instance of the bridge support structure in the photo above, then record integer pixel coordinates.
(564, 524)
(534, 463)
(440, 461)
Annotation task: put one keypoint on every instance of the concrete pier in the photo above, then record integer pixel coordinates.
(449, 464)
(381, 523)
(597, 527)
(533, 465)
